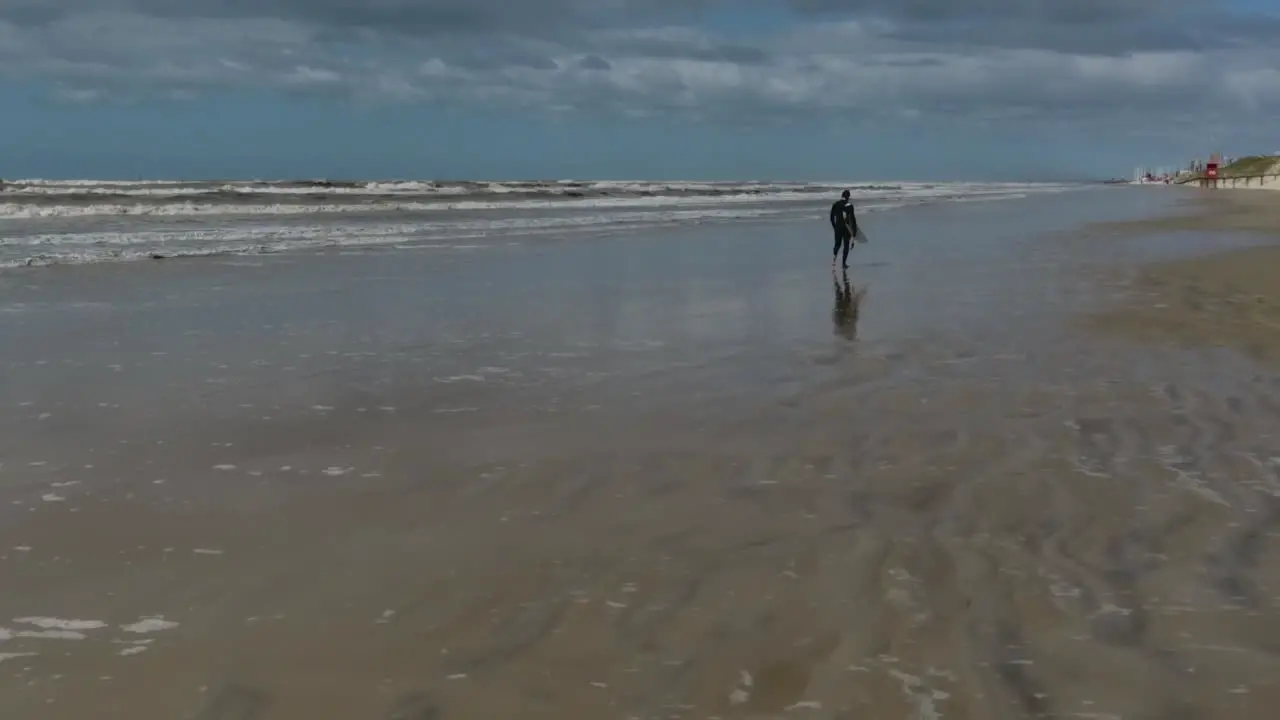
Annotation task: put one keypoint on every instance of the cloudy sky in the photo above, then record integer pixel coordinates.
(796, 89)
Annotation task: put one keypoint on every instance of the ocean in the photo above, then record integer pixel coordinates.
(52, 222)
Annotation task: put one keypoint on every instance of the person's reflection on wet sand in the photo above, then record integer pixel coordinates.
(848, 299)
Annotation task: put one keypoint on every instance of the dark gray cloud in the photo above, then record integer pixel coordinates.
(985, 58)
(1077, 12)
(1111, 27)
(420, 17)
(1107, 38)
(594, 62)
(1107, 26)
(740, 54)
(433, 17)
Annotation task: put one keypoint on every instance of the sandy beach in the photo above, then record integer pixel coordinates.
(1019, 463)
(1227, 299)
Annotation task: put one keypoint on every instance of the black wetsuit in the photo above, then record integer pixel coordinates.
(845, 226)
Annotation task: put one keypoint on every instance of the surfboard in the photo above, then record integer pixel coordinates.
(860, 236)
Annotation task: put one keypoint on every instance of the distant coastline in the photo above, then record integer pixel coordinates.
(1253, 172)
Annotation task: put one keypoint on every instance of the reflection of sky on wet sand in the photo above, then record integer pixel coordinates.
(623, 304)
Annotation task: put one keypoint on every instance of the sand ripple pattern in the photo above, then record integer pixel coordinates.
(967, 552)
(956, 549)
(978, 543)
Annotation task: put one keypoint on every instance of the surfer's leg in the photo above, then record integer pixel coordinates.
(844, 261)
(835, 249)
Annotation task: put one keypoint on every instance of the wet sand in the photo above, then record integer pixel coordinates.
(1244, 210)
(1226, 298)
(687, 475)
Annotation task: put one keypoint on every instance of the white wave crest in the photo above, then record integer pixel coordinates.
(50, 234)
(45, 209)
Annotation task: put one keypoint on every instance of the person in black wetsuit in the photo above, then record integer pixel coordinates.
(845, 226)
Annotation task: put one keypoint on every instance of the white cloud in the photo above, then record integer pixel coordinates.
(304, 75)
(77, 96)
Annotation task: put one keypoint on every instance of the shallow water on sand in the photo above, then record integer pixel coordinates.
(678, 476)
